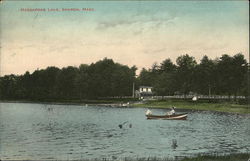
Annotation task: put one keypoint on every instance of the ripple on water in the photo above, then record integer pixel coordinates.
(59, 131)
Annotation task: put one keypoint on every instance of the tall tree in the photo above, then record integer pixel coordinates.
(165, 83)
(205, 78)
(167, 66)
(239, 72)
(66, 87)
(82, 81)
(9, 87)
(224, 75)
(185, 72)
(145, 77)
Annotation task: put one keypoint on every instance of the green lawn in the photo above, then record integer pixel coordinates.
(182, 104)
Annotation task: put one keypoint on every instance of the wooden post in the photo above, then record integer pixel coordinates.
(133, 94)
(209, 91)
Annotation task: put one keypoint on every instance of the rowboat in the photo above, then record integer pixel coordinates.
(168, 117)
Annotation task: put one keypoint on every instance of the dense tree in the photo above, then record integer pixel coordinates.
(167, 66)
(185, 73)
(101, 79)
(231, 73)
(145, 78)
(204, 76)
(66, 83)
(165, 83)
(226, 75)
(100, 75)
(225, 78)
(239, 73)
(110, 79)
(50, 81)
(105, 78)
(9, 84)
(82, 80)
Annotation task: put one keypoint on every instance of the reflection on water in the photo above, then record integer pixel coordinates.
(36, 131)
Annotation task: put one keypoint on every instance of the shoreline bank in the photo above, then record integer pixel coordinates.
(152, 104)
(201, 106)
(91, 103)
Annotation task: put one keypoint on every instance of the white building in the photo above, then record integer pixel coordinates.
(144, 91)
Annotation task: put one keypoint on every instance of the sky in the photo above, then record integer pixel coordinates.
(136, 33)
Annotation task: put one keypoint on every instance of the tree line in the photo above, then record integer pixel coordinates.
(104, 78)
(227, 75)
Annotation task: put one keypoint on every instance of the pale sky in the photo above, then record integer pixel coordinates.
(130, 32)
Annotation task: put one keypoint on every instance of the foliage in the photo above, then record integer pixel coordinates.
(104, 78)
(222, 76)
(225, 75)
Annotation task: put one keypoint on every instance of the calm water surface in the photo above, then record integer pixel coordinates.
(39, 131)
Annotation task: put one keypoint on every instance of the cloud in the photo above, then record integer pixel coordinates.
(154, 51)
(58, 48)
(140, 21)
(111, 24)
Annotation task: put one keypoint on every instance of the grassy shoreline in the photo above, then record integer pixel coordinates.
(73, 102)
(180, 104)
(204, 106)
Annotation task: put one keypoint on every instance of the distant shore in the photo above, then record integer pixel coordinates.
(164, 104)
(204, 106)
(106, 103)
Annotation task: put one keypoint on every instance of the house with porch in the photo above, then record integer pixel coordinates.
(144, 91)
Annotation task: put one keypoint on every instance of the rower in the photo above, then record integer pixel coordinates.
(172, 112)
(148, 112)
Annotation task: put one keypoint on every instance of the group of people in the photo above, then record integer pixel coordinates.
(172, 112)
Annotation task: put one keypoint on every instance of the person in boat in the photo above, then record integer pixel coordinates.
(148, 112)
(172, 112)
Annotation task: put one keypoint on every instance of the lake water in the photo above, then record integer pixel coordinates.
(39, 131)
